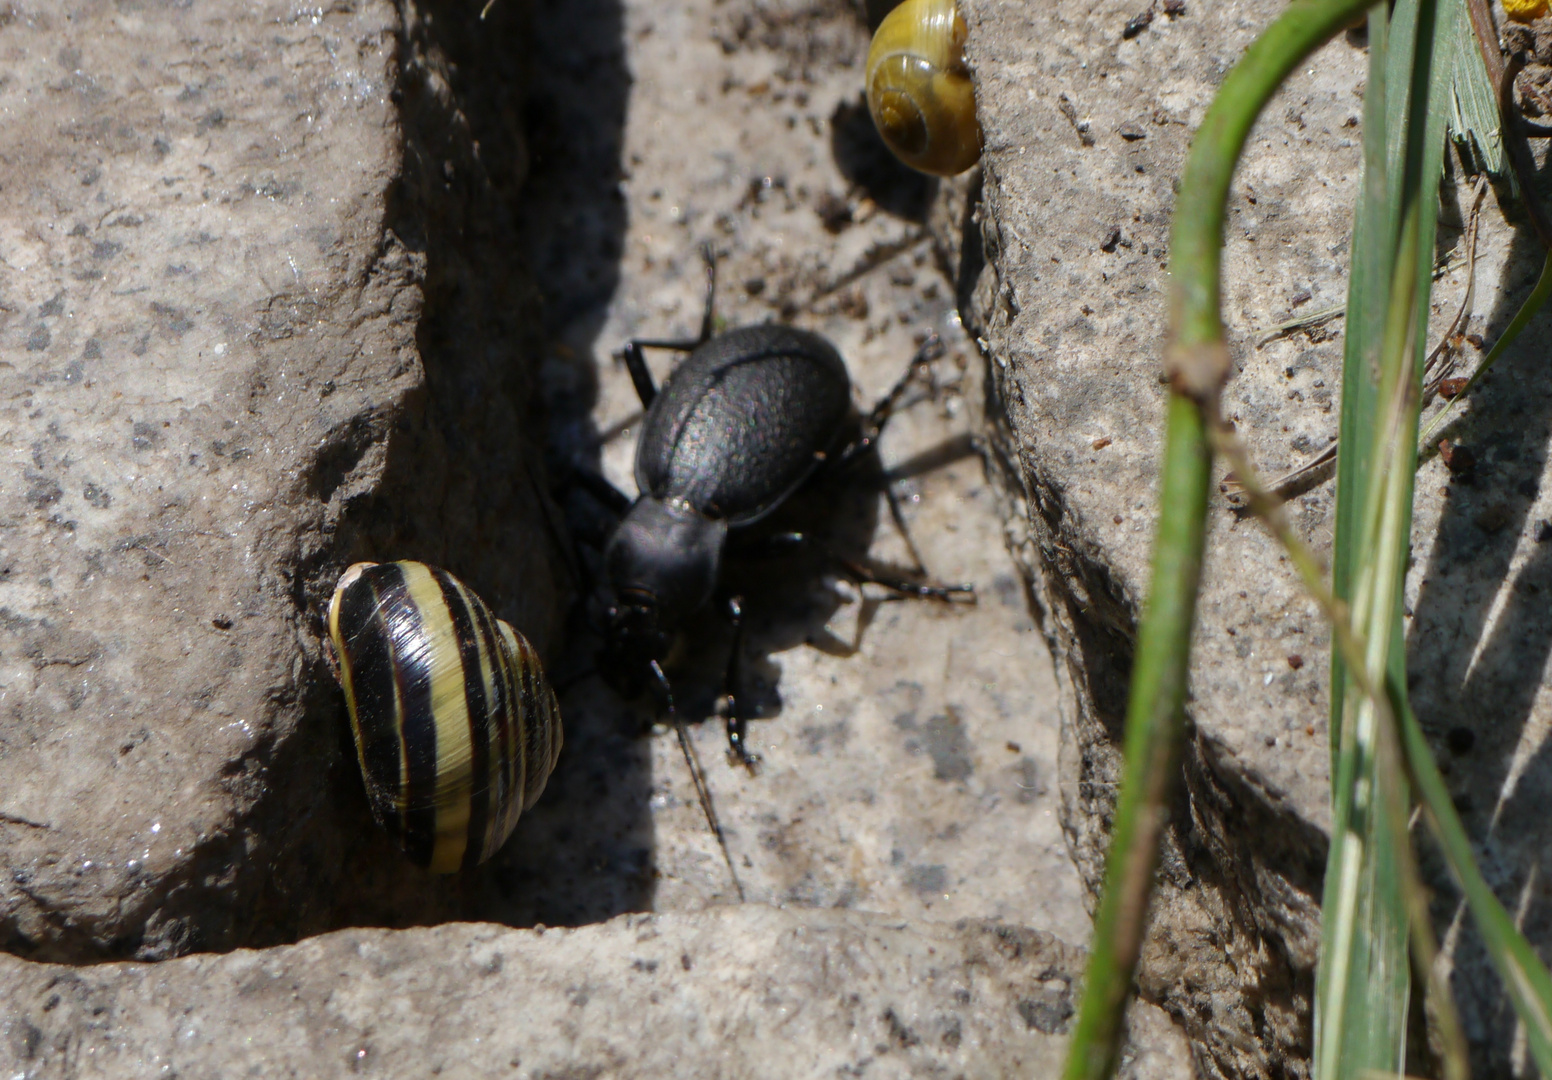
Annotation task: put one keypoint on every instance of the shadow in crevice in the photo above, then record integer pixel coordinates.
(586, 851)
(1479, 643)
(573, 213)
(509, 194)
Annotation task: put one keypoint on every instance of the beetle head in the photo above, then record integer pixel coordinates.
(667, 554)
(662, 563)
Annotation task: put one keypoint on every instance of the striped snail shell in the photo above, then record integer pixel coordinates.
(919, 89)
(456, 727)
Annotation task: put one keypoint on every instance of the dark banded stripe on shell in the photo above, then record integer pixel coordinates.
(455, 724)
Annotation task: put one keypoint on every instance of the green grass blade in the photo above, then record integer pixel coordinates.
(1352, 926)
(1473, 117)
(1197, 361)
(1363, 981)
(1368, 282)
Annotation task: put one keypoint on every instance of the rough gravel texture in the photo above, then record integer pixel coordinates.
(1086, 129)
(243, 344)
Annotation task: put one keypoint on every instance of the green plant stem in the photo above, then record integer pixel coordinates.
(1153, 728)
(1196, 245)
(1197, 362)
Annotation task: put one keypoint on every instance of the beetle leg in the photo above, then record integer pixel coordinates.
(709, 256)
(923, 590)
(636, 363)
(737, 724)
(879, 415)
(641, 377)
(898, 517)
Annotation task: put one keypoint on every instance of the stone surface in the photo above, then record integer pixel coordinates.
(909, 748)
(908, 756)
(750, 992)
(1086, 130)
(250, 332)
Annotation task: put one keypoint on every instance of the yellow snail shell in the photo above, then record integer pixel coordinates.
(919, 90)
(455, 724)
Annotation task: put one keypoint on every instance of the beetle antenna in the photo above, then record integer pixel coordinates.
(697, 774)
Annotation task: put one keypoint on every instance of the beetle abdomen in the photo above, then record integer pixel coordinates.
(455, 725)
(743, 421)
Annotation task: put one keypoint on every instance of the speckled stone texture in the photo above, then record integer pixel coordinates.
(242, 343)
(746, 992)
(1086, 129)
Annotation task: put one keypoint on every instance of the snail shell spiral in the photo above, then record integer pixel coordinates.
(455, 725)
(919, 89)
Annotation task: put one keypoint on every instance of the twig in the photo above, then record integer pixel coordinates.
(1309, 320)
(1520, 156)
(1268, 507)
(17, 819)
(870, 261)
(1444, 353)
(1350, 644)
(1291, 483)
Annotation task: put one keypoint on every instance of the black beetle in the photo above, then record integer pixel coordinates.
(741, 424)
